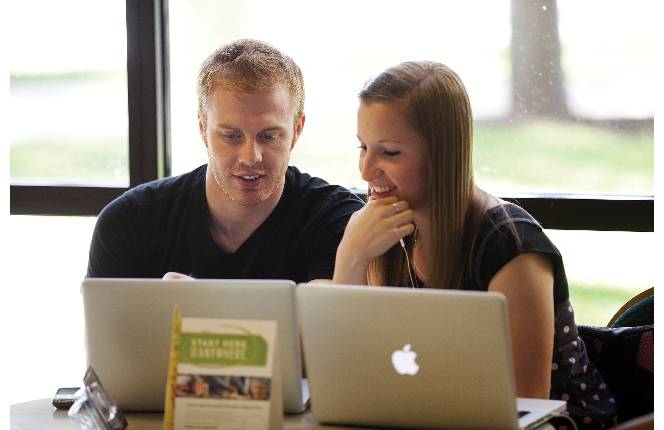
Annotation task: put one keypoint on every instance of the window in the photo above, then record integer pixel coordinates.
(64, 188)
(561, 154)
(45, 267)
(582, 123)
(605, 269)
(68, 93)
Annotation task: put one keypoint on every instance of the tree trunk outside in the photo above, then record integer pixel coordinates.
(537, 76)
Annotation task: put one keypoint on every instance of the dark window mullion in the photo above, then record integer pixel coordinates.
(60, 200)
(590, 212)
(145, 87)
(163, 62)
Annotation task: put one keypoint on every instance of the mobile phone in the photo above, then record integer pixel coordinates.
(65, 397)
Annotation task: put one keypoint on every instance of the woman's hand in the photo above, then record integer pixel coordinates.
(370, 232)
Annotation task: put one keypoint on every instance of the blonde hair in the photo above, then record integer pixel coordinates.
(439, 110)
(249, 65)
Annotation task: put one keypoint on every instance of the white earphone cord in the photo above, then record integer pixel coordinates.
(410, 274)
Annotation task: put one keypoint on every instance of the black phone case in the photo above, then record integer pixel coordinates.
(64, 397)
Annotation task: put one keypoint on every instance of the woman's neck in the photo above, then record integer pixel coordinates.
(422, 247)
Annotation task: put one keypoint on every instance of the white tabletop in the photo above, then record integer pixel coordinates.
(40, 415)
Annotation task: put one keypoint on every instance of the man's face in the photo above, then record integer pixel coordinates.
(257, 390)
(200, 388)
(249, 137)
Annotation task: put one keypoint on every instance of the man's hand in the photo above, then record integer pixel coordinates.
(370, 232)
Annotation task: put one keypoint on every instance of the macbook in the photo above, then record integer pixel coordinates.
(398, 357)
(128, 328)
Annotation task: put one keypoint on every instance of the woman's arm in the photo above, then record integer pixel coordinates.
(370, 232)
(527, 284)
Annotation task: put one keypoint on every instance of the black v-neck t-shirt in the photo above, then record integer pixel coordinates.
(162, 226)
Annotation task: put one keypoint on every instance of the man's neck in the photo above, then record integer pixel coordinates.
(231, 223)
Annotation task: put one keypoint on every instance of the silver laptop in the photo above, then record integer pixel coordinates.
(128, 327)
(397, 357)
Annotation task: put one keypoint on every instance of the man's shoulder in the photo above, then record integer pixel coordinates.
(304, 186)
(163, 191)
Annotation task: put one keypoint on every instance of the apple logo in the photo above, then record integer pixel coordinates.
(403, 361)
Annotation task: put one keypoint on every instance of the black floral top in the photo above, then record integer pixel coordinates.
(573, 377)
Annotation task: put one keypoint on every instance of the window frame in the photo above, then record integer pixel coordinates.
(149, 149)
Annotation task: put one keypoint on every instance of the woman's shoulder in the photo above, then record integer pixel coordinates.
(508, 225)
(506, 231)
(498, 212)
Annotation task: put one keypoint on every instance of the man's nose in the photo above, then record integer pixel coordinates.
(250, 153)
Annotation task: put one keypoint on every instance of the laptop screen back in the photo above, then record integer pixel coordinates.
(128, 326)
(407, 358)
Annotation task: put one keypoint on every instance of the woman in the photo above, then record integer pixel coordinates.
(427, 225)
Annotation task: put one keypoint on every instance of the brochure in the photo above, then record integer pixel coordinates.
(221, 375)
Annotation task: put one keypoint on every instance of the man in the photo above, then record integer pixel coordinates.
(246, 214)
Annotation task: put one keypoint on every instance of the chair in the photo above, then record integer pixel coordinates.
(644, 422)
(637, 311)
(624, 355)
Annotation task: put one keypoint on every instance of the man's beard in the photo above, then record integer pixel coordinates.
(249, 198)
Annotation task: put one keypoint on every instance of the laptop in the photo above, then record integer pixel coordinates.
(398, 357)
(128, 328)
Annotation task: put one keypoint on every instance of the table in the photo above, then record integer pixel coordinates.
(40, 415)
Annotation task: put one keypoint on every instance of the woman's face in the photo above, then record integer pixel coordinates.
(392, 154)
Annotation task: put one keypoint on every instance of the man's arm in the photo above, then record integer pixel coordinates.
(327, 237)
(115, 244)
